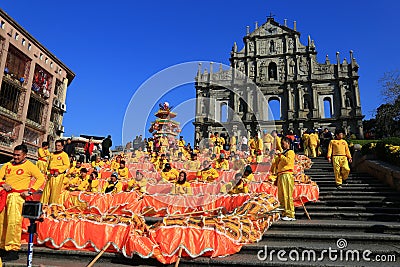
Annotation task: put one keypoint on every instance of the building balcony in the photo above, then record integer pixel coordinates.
(8, 113)
(32, 149)
(6, 140)
(15, 81)
(34, 125)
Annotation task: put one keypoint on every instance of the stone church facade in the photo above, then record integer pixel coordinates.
(274, 66)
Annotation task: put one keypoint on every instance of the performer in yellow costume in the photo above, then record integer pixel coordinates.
(222, 163)
(75, 170)
(338, 150)
(193, 164)
(208, 174)
(181, 144)
(235, 186)
(115, 163)
(43, 157)
(123, 172)
(182, 187)
(233, 144)
(285, 166)
(138, 184)
(77, 183)
(313, 142)
(276, 142)
(304, 138)
(169, 174)
(112, 185)
(58, 164)
(15, 179)
(267, 139)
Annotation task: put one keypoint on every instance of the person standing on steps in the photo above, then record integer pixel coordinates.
(16, 186)
(339, 154)
(284, 169)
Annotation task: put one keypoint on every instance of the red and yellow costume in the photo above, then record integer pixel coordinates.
(18, 176)
(222, 164)
(209, 175)
(59, 161)
(123, 173)
(43, 158)
(182, 189)
(170, 176)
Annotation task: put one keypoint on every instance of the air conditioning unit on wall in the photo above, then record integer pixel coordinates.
(60, 128)
(56, 102)
(63, 107)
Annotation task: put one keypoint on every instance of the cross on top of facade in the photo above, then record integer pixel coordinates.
(271, 16)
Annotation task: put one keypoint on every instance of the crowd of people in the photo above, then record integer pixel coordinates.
(59, 172)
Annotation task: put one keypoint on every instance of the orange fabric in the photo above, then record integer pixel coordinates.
(92, 220)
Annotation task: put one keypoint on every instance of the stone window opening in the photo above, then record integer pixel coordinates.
(224, 112)
(9, 97)
(327, 108)
(274, 109)
(272, 71)
(35, 110)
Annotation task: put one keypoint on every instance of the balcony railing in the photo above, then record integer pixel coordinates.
(32, 149)
(8, 113)
(6, 140)
(34, 124)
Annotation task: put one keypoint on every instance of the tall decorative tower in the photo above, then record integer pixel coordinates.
(164, 125)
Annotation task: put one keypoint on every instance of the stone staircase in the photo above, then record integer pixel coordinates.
(361, 219)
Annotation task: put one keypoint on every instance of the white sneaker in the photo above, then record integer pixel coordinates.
(286, 218)
(292, 219)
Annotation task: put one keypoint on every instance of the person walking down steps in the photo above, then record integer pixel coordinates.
(339, 154)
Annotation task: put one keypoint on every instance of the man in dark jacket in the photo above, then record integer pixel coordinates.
(106, 145)
(69, 148)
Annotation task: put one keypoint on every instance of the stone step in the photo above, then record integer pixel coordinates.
(246, 257)
(240, 260)
(359, 203)
(354, 187)
(351, 192)
(343, 215)
(336, 209)
(351, 182)
(356, 198)
(313, 234)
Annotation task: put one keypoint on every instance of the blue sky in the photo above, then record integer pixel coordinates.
(115, 46)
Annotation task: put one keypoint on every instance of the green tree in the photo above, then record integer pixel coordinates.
(390, 86)
(388, 114)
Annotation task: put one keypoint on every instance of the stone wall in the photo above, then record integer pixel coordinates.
(387, 173)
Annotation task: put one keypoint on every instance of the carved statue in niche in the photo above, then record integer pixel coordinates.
(263, 71)
(306, 101)
(272, 47)
(291, 66)
(291, 44)
(262, 47)
(281, 69)
(348, 101)
(303, 66)
(251, 47)
(252, 70)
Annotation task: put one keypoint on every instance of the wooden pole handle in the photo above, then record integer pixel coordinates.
(98, 255)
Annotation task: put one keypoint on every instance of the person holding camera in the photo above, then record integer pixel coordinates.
(58, 165)
(15, 188)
